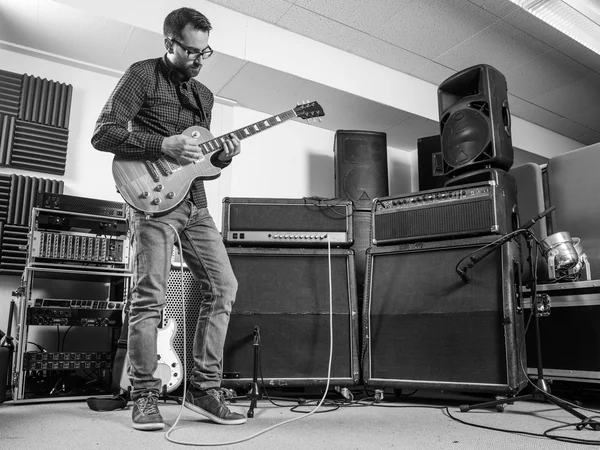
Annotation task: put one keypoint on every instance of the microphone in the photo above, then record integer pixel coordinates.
(531, 222)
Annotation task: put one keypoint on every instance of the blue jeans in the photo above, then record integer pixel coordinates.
(204, 253)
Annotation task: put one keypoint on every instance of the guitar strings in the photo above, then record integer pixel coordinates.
(272, 427)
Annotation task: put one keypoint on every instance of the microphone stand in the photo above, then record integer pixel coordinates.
(541, 389)
(254, 393)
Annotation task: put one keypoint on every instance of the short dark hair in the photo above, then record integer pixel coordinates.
(177, 20)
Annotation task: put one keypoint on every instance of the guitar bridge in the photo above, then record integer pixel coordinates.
(164, 166)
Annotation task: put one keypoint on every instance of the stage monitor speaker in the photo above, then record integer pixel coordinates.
(430, 163)
(361, 170)
(425, 328)
(475, 121)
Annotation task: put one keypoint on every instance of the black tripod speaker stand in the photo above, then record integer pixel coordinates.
(541, 389)
(254, 393)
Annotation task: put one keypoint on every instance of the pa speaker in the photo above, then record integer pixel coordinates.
(430, 163)
(361, 170)
(475, 122)
(424, 327)
(284, 293)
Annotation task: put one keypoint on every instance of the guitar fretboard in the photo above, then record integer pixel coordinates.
(217, 143)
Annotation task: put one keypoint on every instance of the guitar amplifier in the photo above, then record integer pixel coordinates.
(287, 222)
(483, 208)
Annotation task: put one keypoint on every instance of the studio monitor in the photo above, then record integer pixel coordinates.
(424, 327)
(361, 169)
(475, 121)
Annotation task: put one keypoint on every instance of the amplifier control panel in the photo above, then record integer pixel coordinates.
(440, 197)
(291, 237)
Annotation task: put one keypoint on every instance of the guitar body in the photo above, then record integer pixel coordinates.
(159, 186)
(147, 187)
(169, 369)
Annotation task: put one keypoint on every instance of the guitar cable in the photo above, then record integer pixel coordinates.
(272, 427)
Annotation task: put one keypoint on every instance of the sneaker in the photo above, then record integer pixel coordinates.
(210, 404)
(145, 415)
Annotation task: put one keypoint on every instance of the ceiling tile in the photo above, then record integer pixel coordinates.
(514, 101)
(358, 14)
(501, 45)
(536, 27)
(264, 89)
(141, 44)
(433, 72)
(218, 70)
(581, 54)
(544, 74)
(319, 28)
(430, 27)
(386, 54)
(499, 8)
(572, 98)
(266, 10)
(588, 117)
(534, 114)
(406, 133)
(576, 131)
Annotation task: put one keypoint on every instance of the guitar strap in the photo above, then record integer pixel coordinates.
(119, 399)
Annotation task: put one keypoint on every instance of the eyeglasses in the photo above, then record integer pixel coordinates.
(194, 53)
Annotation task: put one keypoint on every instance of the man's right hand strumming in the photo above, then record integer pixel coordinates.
(182, 148)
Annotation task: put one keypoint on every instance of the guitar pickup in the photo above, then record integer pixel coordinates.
(152, 171)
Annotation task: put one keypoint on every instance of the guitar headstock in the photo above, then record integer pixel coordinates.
(309, 110)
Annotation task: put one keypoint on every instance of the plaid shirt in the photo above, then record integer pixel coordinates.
(151, 102)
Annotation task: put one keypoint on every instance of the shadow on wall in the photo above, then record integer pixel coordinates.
(321, 175)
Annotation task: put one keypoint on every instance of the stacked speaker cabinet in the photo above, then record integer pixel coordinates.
(280, 255)
(424, 327)
(284, 292)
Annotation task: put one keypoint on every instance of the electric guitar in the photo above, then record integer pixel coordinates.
(169, 370)
(159, 186)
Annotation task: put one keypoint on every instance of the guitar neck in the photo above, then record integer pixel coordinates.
(217, 143)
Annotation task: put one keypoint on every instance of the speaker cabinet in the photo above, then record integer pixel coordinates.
(475, 120)
(430, 163)
(361, 170)
(284, 292)
(423, 327)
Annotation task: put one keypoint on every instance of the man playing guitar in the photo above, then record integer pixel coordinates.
(144, 119)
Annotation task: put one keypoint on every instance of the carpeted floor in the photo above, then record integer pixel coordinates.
(395, 422)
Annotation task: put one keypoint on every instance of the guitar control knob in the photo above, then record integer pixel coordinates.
(144, 194)
(158, 188)
(156, 201)
(171, 195)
